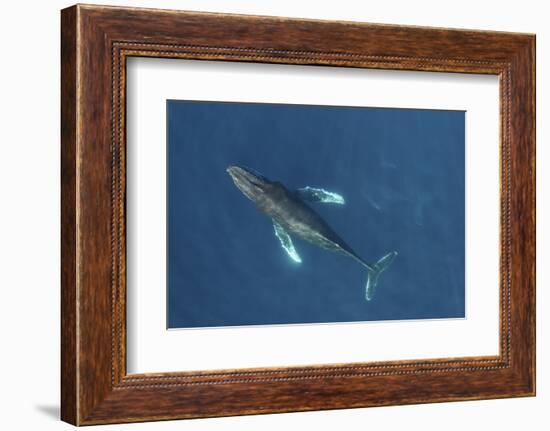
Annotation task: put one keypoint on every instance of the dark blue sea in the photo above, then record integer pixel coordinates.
(401, 172)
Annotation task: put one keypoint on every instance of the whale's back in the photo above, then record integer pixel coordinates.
(299, 219)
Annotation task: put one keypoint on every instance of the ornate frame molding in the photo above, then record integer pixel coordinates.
(96, 41)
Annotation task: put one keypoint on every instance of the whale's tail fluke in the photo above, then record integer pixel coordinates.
(374, 272)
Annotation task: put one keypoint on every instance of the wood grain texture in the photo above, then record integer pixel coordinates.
(96, 41)
(69, 397)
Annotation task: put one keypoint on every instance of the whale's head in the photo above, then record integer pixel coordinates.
(253, 185)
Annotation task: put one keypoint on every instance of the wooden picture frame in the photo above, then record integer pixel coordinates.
(95, 43)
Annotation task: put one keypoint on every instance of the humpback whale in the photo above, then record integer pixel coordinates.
(292, 215)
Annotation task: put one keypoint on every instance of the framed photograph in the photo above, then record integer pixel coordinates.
(266, 215)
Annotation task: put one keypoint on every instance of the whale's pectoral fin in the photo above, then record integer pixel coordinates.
(313, 194)
(286, 242)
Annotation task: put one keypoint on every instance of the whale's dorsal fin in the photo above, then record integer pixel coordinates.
(312, 194)
(286, 242)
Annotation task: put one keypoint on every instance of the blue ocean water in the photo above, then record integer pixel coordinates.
(401, 172)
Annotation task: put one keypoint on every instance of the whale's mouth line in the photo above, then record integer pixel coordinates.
(255, 183)
(245, 175)
(250, 183)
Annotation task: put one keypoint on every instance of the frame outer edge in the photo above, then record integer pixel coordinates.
(533, 54)
(532, 83)
(523, 253)
(69, 201)
(529, 62)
